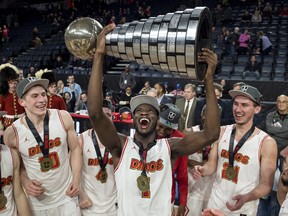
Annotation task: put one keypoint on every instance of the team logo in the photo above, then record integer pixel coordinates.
(244, 88)
(171, 115)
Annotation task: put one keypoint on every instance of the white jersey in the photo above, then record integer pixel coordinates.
(56, 180)
(201, 189)
(284, 207)
(156, 201)
(247, 167)
(103, 195)
(6, 181)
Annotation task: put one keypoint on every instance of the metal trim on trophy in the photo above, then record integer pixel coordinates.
(167, 43)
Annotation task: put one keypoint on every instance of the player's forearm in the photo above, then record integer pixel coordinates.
(76, 163)
(258, 192)
(22, 204)
(212, 119)
(95, 86)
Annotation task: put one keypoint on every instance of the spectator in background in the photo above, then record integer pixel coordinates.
(246, 18)
(229, 45)
(122, 20)
(276, 127)
(82, 105)
(252, 67)
(161, 97)
(284, 11)
(228, 16)
(218, 12)
(187, 106)
(126, 97)
(60, 88)
(146, 88)
(178, 91)
(36, 41)
(226, 88)
(152, 92)
(73, 87)
(235, 40)
(267, 11)
(5, 33)
(58, 62)
(109, 97)
(265, 44)
(69, 98)
(244, 41)
(256, 17)
(126, 79)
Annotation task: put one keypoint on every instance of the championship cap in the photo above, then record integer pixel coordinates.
(27, 83)
(143, 99)
(247, 91)
(170, 115)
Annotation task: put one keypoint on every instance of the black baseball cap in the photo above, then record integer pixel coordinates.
(170, 115)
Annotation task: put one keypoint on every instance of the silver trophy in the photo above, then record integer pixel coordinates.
(167, 43)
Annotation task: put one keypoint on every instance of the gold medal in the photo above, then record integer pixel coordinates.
(46, 164)
(143, 183)
(230, 173)
(103, 176)
(3, 200)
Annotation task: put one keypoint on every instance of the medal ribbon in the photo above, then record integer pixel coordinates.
(102, 162)
(44, 146)
(143, 153)
(239, 145)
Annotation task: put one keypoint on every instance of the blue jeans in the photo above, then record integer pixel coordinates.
(269, 206)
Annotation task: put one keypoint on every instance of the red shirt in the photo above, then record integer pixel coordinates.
(56, 102)
(181, 168)
(9, 103)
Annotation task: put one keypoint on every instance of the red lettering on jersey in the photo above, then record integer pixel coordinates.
(224, 153)
(6, 181)
(244, 159)
(37, 150)
(95, 161)
(150, 167)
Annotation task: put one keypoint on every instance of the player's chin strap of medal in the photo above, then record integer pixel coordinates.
(44, 146)
(143, 153)
(239, 145)
(102, 162)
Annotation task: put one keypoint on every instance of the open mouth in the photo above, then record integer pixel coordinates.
(144, 122)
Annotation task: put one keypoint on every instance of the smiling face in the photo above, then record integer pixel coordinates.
(163, 131)
(145, 119)
(34, 101)
(244, 110)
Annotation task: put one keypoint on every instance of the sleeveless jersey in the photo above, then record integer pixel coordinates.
(200, 189)
(102, 195)
(156, 201)
(56, 180)
(247, 167)
(6, 181)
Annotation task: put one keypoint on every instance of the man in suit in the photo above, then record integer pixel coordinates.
(187, 106)
(161, 98)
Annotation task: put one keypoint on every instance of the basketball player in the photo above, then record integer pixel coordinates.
(42, 138)
(167, 127)
(143, 163)
(243, 158)
(12, 196)
(99, 195)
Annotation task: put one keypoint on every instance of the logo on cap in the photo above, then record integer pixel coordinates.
(171, 115)
(244, 88)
